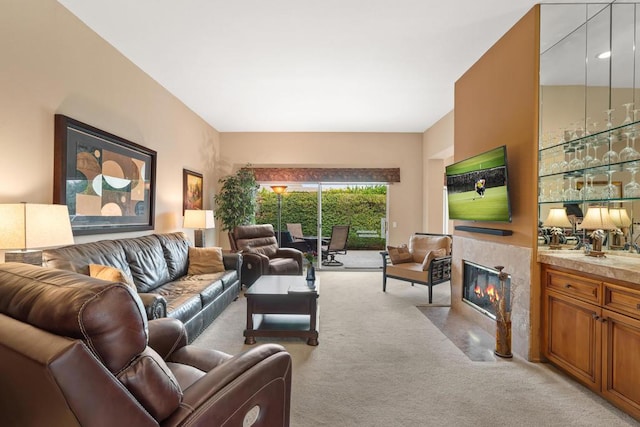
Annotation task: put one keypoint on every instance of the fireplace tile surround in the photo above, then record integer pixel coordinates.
(517, 262)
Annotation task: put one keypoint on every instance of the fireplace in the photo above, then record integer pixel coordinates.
(481, 289)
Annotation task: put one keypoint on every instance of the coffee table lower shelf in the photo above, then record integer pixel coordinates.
(281, 325)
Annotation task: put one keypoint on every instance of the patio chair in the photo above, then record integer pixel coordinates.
(337, 246)
(296, 231)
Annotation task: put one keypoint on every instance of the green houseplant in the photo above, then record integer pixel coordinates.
(236, 203)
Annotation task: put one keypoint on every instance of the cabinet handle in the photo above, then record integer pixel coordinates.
(568, 285)
(603, 320)
(595, 316)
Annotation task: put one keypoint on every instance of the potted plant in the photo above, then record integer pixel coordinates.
(236, 202)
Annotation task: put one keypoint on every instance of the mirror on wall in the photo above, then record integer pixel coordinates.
(590, 118)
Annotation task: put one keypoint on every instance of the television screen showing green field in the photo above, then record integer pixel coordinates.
(477, 188)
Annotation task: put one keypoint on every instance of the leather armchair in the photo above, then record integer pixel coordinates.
(80, 351)
(261, 254)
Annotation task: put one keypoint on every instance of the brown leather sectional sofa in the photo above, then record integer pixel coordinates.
(158, 264)
(79, 351)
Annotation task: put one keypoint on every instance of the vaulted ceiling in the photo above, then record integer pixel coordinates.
(301, 65)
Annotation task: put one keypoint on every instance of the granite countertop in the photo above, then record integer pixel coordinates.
(621, 265)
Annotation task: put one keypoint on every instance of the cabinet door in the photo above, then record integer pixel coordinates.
(573, 337)
(620, 361)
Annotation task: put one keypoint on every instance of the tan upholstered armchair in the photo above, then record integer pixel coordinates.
(78, 351)
(425, 261)
(261, 254)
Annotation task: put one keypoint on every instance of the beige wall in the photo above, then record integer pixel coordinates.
(496, 103)
(383, 150)
(52, 63)
(437, 153)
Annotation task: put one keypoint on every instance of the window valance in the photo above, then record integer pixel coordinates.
(268, 174)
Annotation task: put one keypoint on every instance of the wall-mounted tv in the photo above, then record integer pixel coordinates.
(477, 187)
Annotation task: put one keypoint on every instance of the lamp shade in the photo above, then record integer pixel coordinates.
(200, 219)
(557, 218)
(620, 217)
(29, 226)
(597, 218)
(279, 189)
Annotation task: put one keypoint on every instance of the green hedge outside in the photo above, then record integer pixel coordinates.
(359, 207)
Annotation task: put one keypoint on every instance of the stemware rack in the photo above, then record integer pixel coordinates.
(569, 174)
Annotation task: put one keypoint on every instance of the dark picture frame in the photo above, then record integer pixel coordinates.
(107, 182)
(192, 190)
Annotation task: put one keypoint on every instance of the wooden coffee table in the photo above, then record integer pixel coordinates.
(282, 306)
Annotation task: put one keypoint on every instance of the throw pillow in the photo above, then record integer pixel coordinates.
(399, 254)
(431, 255)
(112, 274)
(420, 245)
(205, 260)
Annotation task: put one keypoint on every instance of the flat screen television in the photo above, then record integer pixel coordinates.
(477, 187)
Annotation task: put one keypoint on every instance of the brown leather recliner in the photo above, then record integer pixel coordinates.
(261, 254)
(78, 351)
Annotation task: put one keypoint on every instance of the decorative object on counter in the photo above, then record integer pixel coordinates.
(29, 226)
(311, 269)
(597, 219)
(557, 220)
(503, 317)
(279, 190)
(199, 220)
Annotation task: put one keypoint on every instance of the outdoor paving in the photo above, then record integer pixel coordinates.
(358, 260)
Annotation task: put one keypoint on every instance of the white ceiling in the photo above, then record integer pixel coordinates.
(302, 65)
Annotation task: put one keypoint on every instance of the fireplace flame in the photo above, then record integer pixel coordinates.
(491, 292)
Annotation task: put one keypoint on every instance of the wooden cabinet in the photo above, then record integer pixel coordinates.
(591, 330)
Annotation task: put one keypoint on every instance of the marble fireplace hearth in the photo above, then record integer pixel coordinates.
(517, 263)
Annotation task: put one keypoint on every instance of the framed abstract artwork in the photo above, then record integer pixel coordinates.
(192, 183)
(107, 182)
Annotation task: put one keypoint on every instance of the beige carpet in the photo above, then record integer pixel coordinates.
(381, 362)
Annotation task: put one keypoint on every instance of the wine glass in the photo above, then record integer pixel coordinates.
(610, 156)
(571, 194)
(632, 189)
(628, 106)
(556, 194)
(610, 191)
(595, 161)
(608, 113)
(576, 162)
(564, 164)
(588, 192)
(629, 152)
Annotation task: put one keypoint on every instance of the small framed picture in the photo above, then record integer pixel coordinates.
(192, 183)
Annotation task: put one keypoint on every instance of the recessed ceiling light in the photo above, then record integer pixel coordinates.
(604, 55)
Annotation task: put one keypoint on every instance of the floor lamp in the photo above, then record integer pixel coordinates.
(279, 189)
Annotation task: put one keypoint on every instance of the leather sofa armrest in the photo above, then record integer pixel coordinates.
(167, 335)
(155, 305)
(255, 261)
(232, 260)
(291, 253)
(227, 394)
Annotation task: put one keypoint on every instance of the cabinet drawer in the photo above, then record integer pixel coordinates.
(575, 286)
(622, 300)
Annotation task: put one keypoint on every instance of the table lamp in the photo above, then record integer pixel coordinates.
(557, 218)
(27, 227)
(597, 219)
(621, 219)
(199, 220)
